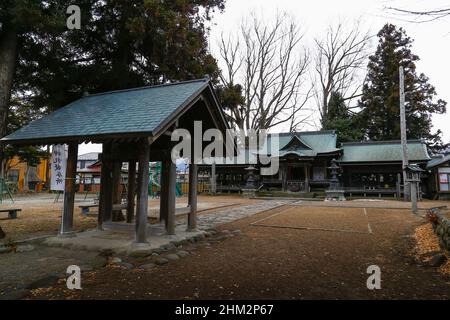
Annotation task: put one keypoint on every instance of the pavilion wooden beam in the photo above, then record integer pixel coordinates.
(106, 198)
(171, 198)
(193, 178)
(117, 192)
(131, 190)
(142, 197)
(163, 201)
(69, 190)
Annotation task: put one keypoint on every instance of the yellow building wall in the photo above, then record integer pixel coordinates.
(16, 164)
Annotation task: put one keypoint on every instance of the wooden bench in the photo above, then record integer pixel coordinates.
(85, 208)
(12, 213)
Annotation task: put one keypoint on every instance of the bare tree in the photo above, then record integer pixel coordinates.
(421, 16)
(268, 66)
(338, 59)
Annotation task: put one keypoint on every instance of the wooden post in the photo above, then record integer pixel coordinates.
(193, 179)
(48, 164)
(131, 190)
(163, 200)
(171, 198)
(189, 187)
(105, 198)
(69, 189)
(213, 179)
(117, 192)
(142, 197)
(406, 185)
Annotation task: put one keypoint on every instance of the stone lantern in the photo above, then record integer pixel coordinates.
(249, 189)
(413, 172)
(334, 192)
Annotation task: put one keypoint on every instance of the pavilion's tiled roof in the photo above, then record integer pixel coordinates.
(383, 151)
(139, 110)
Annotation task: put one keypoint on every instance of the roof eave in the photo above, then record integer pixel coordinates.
(378, 162)
(98, 138)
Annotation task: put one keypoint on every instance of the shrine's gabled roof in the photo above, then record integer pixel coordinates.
(301, 144)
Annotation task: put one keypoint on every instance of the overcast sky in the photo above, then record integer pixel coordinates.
(432, 40)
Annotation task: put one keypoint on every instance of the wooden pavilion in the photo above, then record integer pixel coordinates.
(133, 126)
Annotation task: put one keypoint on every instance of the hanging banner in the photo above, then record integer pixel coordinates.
(58, 171)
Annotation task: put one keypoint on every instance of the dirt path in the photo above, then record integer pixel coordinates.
(40, 267)
(301, 253)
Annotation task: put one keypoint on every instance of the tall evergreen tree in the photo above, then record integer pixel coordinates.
(380, 108)
(340, 119)
(121, 44)
(20, 21)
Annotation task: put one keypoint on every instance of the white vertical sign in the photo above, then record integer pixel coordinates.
(59, 163)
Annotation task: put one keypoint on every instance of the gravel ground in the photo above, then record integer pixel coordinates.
(40, 216)
(252, 262)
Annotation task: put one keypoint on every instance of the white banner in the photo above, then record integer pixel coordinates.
(59, 163)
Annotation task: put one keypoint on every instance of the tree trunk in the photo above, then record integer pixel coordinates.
(8, 57)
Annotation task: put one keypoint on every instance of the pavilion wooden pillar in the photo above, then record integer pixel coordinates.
(142, 196)
(117, 192)
(163, 201)
(131, 190)
(193, 178)
(69, 190)
(106, 196)
(171, 198)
